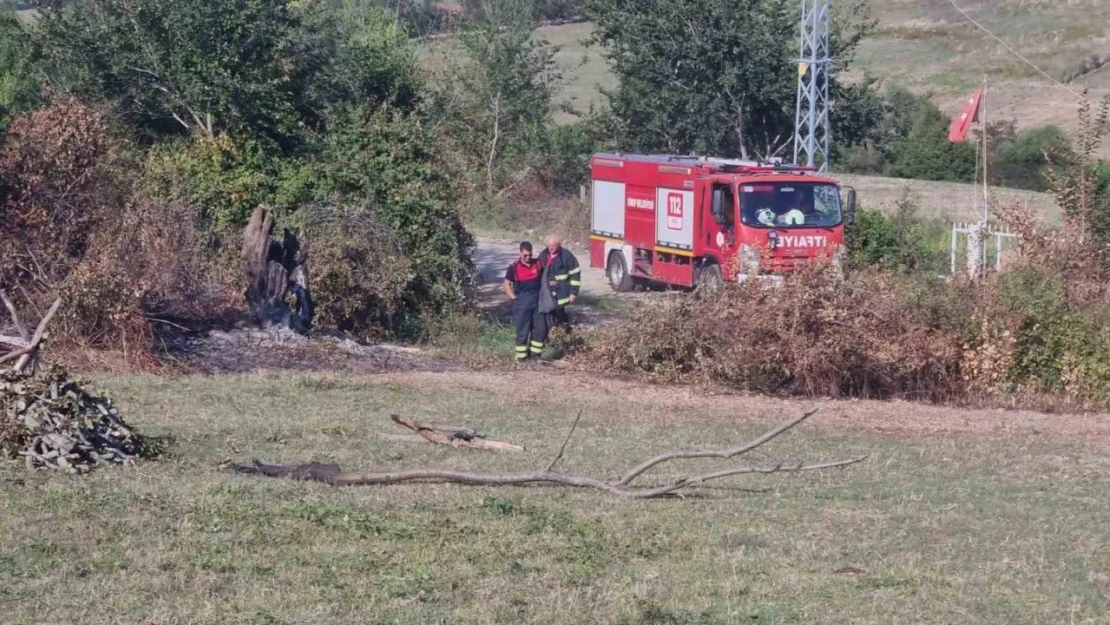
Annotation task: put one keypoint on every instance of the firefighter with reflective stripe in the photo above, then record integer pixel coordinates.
(564, 279)
(523, 285)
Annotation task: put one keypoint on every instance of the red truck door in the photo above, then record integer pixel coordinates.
(717, 220)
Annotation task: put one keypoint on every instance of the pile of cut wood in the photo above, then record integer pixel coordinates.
(55, 423)
(52, 420)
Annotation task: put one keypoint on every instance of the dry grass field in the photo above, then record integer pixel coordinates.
(957, 517)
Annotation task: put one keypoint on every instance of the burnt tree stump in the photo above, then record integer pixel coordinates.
(277, 274)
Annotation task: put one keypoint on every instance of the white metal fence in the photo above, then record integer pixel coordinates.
(984, 245)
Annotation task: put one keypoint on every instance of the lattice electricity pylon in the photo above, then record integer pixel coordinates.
(811, 118)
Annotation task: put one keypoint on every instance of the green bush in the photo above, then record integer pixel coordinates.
(864, 159)
(404, 252)
(1020, 162)
(17, 87)
(568, 161)
(1100, 225)
(901, 134)
(227, 179)
(899, 243)
(387, 160)
(924, 152)
(872, 240)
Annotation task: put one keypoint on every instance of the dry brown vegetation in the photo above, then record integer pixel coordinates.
(77, 223)
(877, 335)
(815, 334)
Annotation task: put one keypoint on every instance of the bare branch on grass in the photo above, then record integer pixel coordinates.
(334, 475)
(453, 436)
(712, 453)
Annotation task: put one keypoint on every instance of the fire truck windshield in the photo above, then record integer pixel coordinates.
(789, 205)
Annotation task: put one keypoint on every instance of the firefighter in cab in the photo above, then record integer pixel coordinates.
(523, 285)
(563, 278)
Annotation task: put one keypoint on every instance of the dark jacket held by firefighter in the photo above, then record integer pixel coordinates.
(564, 275)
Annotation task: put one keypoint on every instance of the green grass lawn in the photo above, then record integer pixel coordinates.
(946, 529)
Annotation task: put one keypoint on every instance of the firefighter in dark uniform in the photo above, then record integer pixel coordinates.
(564, 279)
(523, 283)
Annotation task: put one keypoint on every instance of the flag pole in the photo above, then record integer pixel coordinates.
(983, 121)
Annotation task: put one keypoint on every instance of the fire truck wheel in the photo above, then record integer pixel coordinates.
(619, 278)
(710, 278)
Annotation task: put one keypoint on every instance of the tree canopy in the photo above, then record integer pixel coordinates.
(711, 76)
(269, 69)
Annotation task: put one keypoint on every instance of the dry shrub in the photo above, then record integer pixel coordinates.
(358, 273)
(1050, 310)
(1012, 337)
(814, 334)
(56, 194)
(75, 222)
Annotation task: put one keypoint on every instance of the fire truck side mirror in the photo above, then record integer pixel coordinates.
(850, 211)
(715, 208)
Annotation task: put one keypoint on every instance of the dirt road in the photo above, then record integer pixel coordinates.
(597, 302)
(492, 256)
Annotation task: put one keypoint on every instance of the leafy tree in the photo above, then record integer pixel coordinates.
(498, 96)
(17, 87)
(568, 157)
(904, 134)
(173, 67)
(387, 160)
(1080, 180)
(710, 76)
(270, 70)
(370, 57)
(925, 153)
(855, 117)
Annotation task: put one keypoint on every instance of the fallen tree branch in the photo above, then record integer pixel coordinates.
(711, 453)
(566, 440)
(14, 341)
(333, 474)
(456, 437)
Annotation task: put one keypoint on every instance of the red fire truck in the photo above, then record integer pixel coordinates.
(687, 221)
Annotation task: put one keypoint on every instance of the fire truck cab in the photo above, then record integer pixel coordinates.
(686, 221)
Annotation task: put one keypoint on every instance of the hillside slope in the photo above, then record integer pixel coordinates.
(930, 47)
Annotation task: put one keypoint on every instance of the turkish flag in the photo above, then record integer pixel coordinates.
(961, 125)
